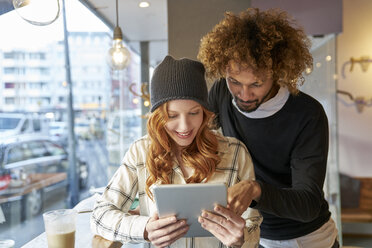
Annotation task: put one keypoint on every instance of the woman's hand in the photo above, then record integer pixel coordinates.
(240, 196)
(164, 231)
(224, 224)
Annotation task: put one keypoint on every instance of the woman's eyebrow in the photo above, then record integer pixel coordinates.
(196, 106)
(175, 111)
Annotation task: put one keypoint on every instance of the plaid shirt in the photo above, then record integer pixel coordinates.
(111, 220)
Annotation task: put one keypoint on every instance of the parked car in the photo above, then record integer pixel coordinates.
(82, 129)
(96, 128)
(26, 157)
(4, 178)
(22, 123)
(58, 132)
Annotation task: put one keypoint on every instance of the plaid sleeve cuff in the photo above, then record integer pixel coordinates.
(137, 228)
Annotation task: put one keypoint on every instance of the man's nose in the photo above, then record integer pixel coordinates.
(245, 94)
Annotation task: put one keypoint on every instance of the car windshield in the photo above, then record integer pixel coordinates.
(7, 123)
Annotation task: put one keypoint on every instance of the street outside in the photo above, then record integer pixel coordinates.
(94, 152)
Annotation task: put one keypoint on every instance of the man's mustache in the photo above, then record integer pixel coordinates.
(239, 100)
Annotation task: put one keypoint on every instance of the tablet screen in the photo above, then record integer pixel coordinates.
(187, 201)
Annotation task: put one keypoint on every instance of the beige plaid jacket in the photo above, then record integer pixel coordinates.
(111, 220)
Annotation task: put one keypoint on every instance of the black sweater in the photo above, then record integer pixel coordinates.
(289, 151)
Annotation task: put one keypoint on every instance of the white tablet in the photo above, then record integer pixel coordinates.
(187, 201)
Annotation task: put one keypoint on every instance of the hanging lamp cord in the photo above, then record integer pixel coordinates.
(117, 14)
(118, 35)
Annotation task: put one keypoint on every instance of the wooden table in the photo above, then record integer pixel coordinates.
(36, 182)
(356, 215)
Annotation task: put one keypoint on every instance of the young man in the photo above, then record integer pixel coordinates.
(258, 59)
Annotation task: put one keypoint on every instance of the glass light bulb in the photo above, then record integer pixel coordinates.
(38, 12)
(118, 55)
(144, 4)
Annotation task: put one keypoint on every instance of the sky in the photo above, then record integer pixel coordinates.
(18, 33)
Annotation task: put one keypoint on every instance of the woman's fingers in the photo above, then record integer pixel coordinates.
(169, 238)
(224, 224)
(164, 231)
(155, 223)
(168, 232)
(218, 226)
(230, 215)
(225, 234)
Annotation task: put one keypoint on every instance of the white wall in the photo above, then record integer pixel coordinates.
(355, 128)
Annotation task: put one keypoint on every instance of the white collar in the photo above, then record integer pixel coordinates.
(269, 107)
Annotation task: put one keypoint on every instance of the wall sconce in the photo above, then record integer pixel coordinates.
(145, 94)
(118, 56)
(364, 62)
(360, 102)
(38, 12)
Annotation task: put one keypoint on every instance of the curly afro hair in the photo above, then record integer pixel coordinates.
(266, 41)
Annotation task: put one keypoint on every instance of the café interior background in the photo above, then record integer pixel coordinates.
(340, 80)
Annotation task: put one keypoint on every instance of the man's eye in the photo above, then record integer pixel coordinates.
(256, 85)
(234, 82)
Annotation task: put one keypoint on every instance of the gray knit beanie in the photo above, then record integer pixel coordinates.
(178, 79)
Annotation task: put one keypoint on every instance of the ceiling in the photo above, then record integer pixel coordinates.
(138, 24)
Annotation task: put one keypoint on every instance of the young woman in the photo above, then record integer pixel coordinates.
(180, 148)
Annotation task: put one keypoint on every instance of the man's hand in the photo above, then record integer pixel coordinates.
(225, 225)
(163, 232)
(240, 196)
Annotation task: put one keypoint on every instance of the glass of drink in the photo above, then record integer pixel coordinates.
(7, 243)
(60, 228)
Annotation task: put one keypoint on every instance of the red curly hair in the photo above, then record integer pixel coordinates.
(266, 41)
(201, 154)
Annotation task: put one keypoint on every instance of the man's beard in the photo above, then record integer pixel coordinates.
(256, 103)
(244, 108)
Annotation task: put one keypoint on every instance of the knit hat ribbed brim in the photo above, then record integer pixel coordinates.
(178, 79)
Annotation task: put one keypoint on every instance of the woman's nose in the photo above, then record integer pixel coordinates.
(184, 123)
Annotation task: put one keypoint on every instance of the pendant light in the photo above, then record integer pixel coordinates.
(38, 12)
(118, 55)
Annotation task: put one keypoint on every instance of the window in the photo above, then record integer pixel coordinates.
(9, 123)
(9, 55)
(9, 100)
(9, 70)
(37, 149)
(9, 85)
(25, 126)
(15, 154)
(40, 65)
(54, 149)
(36, 125)
(44, 71)
(37, 56)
